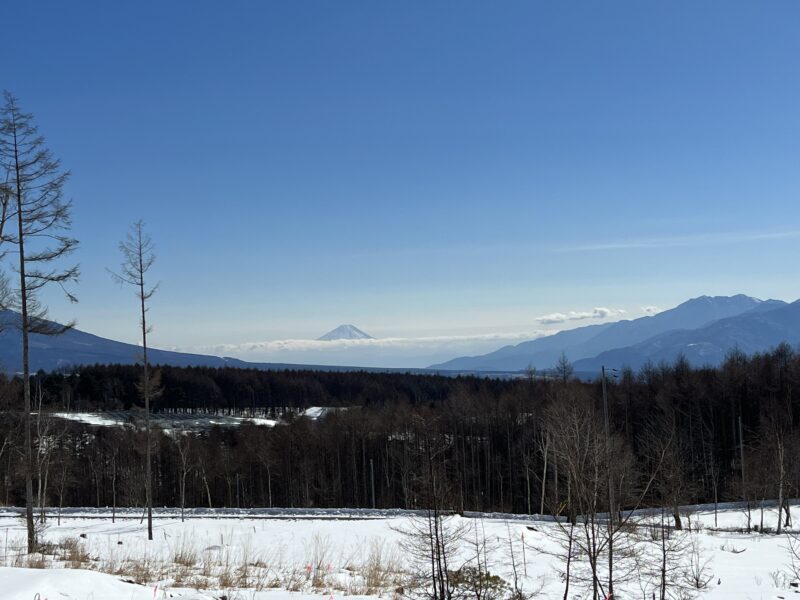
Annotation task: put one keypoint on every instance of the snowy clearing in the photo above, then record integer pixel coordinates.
(270, 559)
(165, 421)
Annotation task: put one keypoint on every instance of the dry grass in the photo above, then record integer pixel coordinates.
(24, 560)
(185, 554)
(320, 561)
(145, 570)
(198, 582)
(73, 551)
(372, 568)
(209, 560)
(227, 579)
(294, 580)
(181, 575)
(382, 568)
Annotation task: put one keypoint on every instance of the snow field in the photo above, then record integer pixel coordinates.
(260, 559)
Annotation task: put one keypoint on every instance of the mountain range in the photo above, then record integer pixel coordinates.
(702, 329)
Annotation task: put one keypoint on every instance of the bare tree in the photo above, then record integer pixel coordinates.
(433, 539)
(183, 443)
(64, 479)
(35, 195)
(111, 450)
(5, 202)
(661, 442)
(137, 259)
(544, 445)
(592, 461)
(669, 561)
(258, 445)
(46, 440)
(475, 576)
(431, 542)
(578, 445)
(563, 370)
(778, 445)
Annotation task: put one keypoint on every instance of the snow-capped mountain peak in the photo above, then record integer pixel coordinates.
(345, 332)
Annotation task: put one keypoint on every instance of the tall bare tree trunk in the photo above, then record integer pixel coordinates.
(569, 559)
(38, 186)
(26, 367)
(779, 447)
(544, 472)
(146, 384)
(26, 386)
(138, 257)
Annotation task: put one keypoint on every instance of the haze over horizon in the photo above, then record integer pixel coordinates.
(447, 181)
(419, 352)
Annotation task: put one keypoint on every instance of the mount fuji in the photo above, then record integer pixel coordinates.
(345, 332)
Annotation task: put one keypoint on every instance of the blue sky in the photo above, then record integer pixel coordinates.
(451, 170)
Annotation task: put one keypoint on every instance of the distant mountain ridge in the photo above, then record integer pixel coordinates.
(76, 347)
(757, 330)
(632, 342)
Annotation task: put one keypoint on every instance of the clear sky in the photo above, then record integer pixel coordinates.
(449, 170)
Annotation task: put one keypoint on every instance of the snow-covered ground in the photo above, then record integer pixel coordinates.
(185, 421)
(165, 421)
(354, 556)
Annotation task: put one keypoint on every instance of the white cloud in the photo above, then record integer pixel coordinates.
(400, 352)
(703, 239)
(651, 310)
(596, 313)
(273, 346)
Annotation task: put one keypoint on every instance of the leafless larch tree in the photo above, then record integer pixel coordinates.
(137, 259)
(34, 202)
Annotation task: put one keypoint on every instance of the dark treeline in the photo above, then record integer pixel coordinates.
(241, 391)
(676, 435)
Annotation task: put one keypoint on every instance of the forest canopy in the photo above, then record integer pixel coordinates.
(676, 435)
